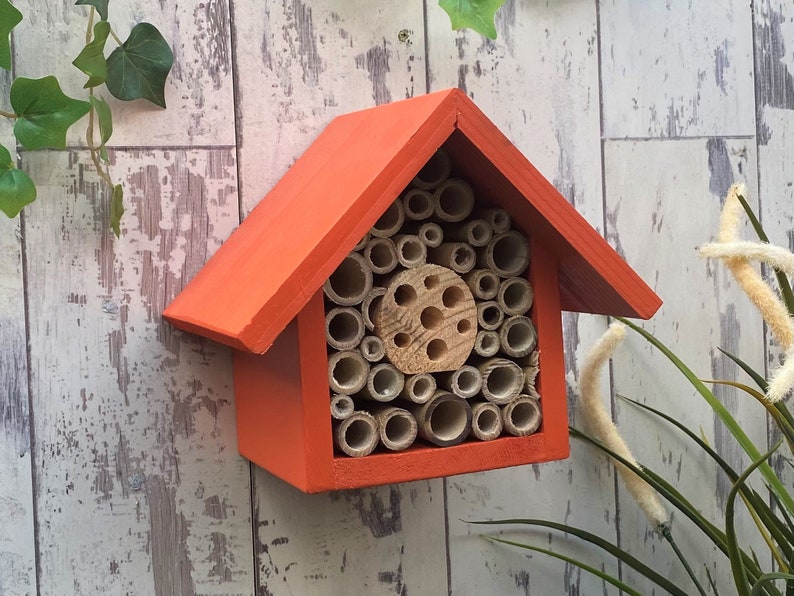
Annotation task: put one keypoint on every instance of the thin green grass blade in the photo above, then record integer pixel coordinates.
(730, 422)
(768, 578)
(759, 379)
(584, 566)
(613, 550)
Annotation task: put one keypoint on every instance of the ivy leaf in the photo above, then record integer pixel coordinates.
(100, 5)
(473, 14)
(139, 67)
(105, 118)
(16, 187)
(10, 17)
(91, 59)
(44, 113)
(116, 209)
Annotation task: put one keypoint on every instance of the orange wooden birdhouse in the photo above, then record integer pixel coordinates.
(394, 303)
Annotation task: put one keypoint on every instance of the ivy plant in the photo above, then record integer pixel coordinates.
(42, 113)
(473, 14)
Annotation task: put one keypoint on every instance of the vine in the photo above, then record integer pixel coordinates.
(137, 69)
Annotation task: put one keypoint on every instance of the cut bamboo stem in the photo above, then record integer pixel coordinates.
(371, 348)
(515, 296)
(518, 337)
(454, 200)
(397, 427)
(521, 417)
(411, 251)
(347, 372)
(434, 172)
(363, 242)
(419, 388)
(356, 435)
(465, 382)
(486, 344)
(351, 281)
(476, 232)
(428, 232)
(507, 254)
(458, 256)
(342, 406)
(381, 255)
(384, 383)
(502, 380)
(344, 328)
(498, 219)
(489, 315)
(418, 204)
(486, 420)
(370, 305)
(390, 222)
(483, 283)
(445, 420)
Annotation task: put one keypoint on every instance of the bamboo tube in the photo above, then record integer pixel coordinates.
(419, 388)
(342, 406)
(465, 382)
(371, 348)
(521, 417)
(390, 222)
(434, 172)
(411, 251)
(381, 255)
(486, 420)
(351, 281)
(356, 435)
(454, 200)
(476, 232)
(344, 328)
(483, 283)
(362, 243)
(486, 343)
(498, 219)
(530, 375)
(489, 315)
(384, 383)
(418, 204)
(515, 296)
(347, 372)
(507, 254)
(445, 420)
(370, 305)
(517, 336)
(428, 232)
(502, 380)
(397, 427)
(458, 256)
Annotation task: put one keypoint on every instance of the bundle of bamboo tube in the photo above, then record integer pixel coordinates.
(427, 324)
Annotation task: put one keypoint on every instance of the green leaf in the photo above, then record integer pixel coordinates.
(116, 209)
(16, 188)
(100, 5)
(139, 68)
(91, 59)
(105, 118)
(10, 17)
(768, 578)
(44, 113)
(474, 14)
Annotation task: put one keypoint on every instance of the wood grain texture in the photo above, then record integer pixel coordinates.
(198, 92)
(653, 190)
(138, 483)
(676, 69)
(539, 84)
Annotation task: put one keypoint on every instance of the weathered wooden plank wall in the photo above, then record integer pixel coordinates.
(117, 441)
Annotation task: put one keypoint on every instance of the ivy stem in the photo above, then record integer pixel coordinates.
(90, 26)
(8, 115)
(116, 37)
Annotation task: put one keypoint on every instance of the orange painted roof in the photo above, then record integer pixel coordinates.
(281, 254)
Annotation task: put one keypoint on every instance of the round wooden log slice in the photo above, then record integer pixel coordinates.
(427, 320)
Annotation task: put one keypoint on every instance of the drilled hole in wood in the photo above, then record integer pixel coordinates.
(402, 340)
(431, 281)
(452, 296)
(463, 326)
(431, 318)
(404, 295)
(359, 434)
(448, 420)
(437, 349)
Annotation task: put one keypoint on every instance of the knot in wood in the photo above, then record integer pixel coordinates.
(427, 320)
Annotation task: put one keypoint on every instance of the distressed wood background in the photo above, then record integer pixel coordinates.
(118, 467)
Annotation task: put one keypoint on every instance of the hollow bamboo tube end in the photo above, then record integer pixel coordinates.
(370, 305)
(458, 256)
(390, 222)
(381, 255)
(384, 383)
(347, 372)
(418, 204)
(342, 407)
(434, 172)
(397, 427)
(486, 421)
(518, 337)
(371, 348)
(515, 296)
(356, 435)
(419, 388)
(502, 380)
(483, 283)
(476, 232)
(344, 328)
(351, 281)
(498, 219)
(486, 344)
(454, 200)
(445, 420)
(489, 315)
(521, 417)
(363, 242)
(507, 254)
(411, 251)
(465, 382)
(431, 234)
